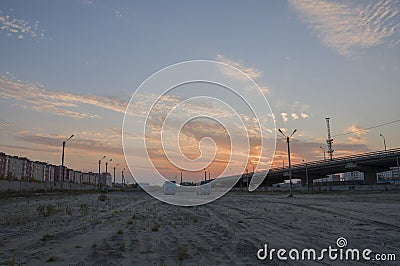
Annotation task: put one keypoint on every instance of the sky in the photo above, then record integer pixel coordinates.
(71, 67)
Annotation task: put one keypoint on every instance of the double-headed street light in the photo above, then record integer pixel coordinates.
(62, 158)
(290, 165)
(384, 140)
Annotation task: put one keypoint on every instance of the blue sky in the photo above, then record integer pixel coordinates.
(70, 67)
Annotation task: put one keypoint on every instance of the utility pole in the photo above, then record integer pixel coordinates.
(306, 174)
(62, 160)
(290, 165)
(123, 181)
(181, 178)
(329, 141)
(107, 164)
(98, 181)
(205, 174)
(384, 141)
(114, 172)
(324, 152)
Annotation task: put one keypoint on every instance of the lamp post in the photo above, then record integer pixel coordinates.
(62, 159)
(290, 165)
(122, 175)
(114, 171)
(384, 140)
(306, 174)
(98, 181)
(324, 152)
(107, 164)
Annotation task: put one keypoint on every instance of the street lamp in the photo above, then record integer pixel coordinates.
(123, 181)
(290, 166)
(324, 153)
(384, 140)
(114, 171)
(306, 173)
(62, 158)
(98, 181)
(107, 164)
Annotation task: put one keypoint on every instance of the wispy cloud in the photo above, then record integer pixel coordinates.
(358, 136)
(40, 99)
(346, 26)
(250, 71)
(284, 117)
(19, 27)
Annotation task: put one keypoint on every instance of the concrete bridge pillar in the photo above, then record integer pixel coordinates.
(370, 177)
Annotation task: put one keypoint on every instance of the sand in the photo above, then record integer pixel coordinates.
(135, 229)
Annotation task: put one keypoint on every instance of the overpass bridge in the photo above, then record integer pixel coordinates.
(369, 163)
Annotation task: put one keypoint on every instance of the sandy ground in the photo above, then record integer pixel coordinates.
(135, 229)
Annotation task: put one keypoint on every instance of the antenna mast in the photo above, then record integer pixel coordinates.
(329, 141)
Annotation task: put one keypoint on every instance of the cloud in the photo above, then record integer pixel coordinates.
(284, 117)
(41, 99)
(304, 116)
(251, 72)
(358, 135)
(295, 116)
(345, 26)
(20, 27)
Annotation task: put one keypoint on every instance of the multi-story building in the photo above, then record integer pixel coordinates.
(38, 172)
(85, 178)
(93, 178)
(27, 168)
(71, 175)
(78, 177)
(52, 172)
(3, 161)
(15, 168)
(58, 174)
(106, 179)
(353, 176)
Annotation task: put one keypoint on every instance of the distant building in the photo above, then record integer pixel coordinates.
(71, 175)
(77, 177)
(27, 169)
(106, 179)
(49, 172)
(3, 162)
(15, 167)
(391, 176)
(38, 172)
(353, 176)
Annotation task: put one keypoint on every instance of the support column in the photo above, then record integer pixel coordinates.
(370, 177)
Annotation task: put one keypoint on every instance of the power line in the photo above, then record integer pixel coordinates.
(367, 128)
(355, 131)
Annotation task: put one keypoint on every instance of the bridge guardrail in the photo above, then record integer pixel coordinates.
(339, 159)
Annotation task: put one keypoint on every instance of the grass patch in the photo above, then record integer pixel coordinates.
(84, 209)
(182, 251)
(155, 227)
(45, 237)
(120, 232)
(47, 210)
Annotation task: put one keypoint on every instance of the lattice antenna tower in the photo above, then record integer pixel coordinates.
(329, 141)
